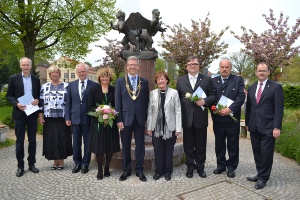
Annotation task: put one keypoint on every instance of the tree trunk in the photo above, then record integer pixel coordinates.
(29, 53)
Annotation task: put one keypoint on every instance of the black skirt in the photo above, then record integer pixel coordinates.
(57, 139)
(104, 139)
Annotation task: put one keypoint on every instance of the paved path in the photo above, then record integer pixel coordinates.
(48, 184)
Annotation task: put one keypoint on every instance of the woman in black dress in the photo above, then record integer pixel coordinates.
(104, 139)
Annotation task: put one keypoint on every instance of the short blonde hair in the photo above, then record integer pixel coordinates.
(52, 69)
(105, 71)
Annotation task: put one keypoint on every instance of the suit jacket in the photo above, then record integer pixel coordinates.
(191, 113)
(233, 89)
(172, 110)
(16, 90)
(268, 114)
(127, 107)
(77, 109)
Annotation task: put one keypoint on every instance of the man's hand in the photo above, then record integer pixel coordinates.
(149, 133)
(21, 107)
(120, 125)
(200, 102)
(225, 112)
(35, 102)
(276, 133)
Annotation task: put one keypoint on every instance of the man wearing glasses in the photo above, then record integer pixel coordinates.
(194, 117)
(264, 112)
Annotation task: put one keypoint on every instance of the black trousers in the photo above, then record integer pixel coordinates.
(263, 151)
(229, 132)
(21, 124)
(163, 152)
(126, 137)
(194, 144)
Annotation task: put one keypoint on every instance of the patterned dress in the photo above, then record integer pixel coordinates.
(57, 138)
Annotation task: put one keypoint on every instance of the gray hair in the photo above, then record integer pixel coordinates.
(82, 65)
(133, 58)
(27, 59)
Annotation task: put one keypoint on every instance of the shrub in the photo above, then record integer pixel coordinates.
(9, 122)
(3, 100)
(291, 96)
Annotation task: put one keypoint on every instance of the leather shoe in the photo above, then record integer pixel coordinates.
(33, 169)
(190, 173)
(141, 176)
(252, 178)
(124, 176)
(84, 170)
(168, 177)
(106, 172)
(202, 174)
(20, 172)
(100, 175)
(156, 176)
(219, 170)
(259, 185)
(76, 169)
(231, 174)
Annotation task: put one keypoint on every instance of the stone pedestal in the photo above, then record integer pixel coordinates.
(3, 133)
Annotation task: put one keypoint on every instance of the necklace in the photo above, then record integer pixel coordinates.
(132, 93)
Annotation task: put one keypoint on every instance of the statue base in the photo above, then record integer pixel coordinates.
(142, 55)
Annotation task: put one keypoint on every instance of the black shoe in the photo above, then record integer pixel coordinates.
(20, 172)
(252, 178)
(141, 176)
(259, 185)
(60, 167)
(168, 176)
(33, 169)
(202, 173)
(156, 176)
(84, 169)
(76, 169)
(124, 176)
(219, 170)
(231, 174)
(106, 172)
(190, 173)
(100, 175)
(53, 167)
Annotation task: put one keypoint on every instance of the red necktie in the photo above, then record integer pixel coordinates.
(258, 96)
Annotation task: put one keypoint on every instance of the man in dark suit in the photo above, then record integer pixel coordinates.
(76, 115)
(264, 112)
(19, 85)
(194, 117)
(131, 99)
(225, 128)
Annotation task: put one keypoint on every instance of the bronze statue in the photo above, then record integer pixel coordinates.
(138, 30)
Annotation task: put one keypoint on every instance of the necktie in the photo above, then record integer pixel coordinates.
(193, 82)
(133, 83)
(82, 89)
(258, 96)
(224, 80)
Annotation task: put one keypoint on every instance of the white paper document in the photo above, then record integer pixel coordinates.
(26, 100)
(201, 94)
(224, 101)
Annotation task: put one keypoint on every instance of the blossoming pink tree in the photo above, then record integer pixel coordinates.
(273, 46)
(199, 41)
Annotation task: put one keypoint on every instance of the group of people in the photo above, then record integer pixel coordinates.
(165, 112)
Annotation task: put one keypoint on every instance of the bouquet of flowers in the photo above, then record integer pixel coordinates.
(197, 95)
(223, 102)
(105, 114)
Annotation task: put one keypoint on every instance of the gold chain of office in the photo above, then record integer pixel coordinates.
(132, 92)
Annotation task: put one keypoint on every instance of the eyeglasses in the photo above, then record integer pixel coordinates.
(132, 65)
(192, 64)
(262, 71)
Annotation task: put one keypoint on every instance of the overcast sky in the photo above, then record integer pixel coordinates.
(233, 13)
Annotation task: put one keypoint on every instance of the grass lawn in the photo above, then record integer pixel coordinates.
(7, 143)
(5, 111)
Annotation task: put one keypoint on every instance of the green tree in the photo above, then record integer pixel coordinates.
(8, 67)
(273, 46)
(200, 41)
(291, 73)
(49, 27)
(113, 58)
(240, 61)
(159, 64)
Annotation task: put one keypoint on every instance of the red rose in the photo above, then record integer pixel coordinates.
(213, 107)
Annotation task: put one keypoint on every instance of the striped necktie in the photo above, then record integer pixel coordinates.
(258, 96)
